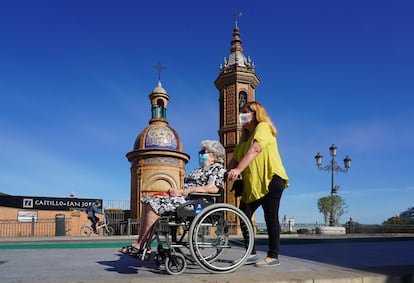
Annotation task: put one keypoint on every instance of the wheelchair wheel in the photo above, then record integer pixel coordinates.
(175, 263)
(85, 230)
(216, 241)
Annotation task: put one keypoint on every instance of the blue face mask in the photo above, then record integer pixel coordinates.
(202, 159)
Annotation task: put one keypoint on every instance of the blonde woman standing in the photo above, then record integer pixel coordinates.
(256, 158)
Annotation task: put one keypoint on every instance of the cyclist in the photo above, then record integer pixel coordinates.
(94, 209)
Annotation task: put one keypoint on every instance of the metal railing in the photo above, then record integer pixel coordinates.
(128, 226)
(35, 228)
(378, 229)
(350, 228)
(298, 227)
(116, 204)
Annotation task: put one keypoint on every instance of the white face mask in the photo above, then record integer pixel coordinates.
(244, 118)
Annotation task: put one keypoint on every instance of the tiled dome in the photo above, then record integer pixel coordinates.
(158, 136)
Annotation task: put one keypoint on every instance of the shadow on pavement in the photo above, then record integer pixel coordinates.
(130, 265)
(126, 265)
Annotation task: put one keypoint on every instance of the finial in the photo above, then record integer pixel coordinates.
(159, 67)
(236, 17)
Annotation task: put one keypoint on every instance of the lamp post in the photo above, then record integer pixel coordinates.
(333, 167)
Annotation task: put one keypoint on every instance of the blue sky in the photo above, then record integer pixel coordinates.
(75, 78)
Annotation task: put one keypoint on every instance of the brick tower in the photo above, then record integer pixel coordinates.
(236, 83)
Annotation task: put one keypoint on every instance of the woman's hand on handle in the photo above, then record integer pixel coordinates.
(236, 168)
(233, 174)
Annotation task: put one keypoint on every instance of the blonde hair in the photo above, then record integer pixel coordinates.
(260, 115)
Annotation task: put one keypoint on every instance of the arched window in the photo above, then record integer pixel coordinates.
(161, 111)
(242, 99)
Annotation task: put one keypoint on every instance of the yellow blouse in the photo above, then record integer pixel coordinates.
(259, 173)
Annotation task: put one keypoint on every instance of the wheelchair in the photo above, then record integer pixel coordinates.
(216, 236)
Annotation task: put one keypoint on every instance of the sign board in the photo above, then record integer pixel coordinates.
(26, 216)
(45, 203)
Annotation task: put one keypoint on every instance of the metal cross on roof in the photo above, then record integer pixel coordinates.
(159, 67)
(237, 16)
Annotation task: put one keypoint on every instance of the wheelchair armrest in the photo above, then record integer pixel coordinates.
(197, 195)
(188, 209)
(211, 198)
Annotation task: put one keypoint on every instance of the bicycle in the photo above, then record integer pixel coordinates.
(102, 227)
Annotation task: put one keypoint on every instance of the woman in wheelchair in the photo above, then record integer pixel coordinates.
(208, 178)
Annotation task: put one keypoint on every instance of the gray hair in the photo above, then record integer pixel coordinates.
(216, 148)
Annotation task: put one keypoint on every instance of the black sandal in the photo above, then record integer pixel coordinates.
(134, 252)
(129, 250)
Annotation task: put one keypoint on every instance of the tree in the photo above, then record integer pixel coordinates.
(332, 207)
(324, 207)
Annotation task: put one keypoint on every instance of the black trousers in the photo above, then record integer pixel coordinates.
(270, 204)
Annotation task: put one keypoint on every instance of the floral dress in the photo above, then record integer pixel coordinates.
(212, 174)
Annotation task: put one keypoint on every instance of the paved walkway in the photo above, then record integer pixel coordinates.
(307, 259)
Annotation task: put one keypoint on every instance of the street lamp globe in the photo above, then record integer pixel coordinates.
(332, 150)
(318, 159)
(347, 162)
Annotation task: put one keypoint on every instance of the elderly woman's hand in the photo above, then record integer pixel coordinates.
(175, 193)
(172, 192)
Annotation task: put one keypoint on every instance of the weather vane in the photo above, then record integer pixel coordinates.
(159, 67)
(237, 16)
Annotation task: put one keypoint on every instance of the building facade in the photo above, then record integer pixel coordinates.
(24, 216)
(407, 214)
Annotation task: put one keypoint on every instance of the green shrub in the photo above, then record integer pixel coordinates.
(303, 231)
(289, 232)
